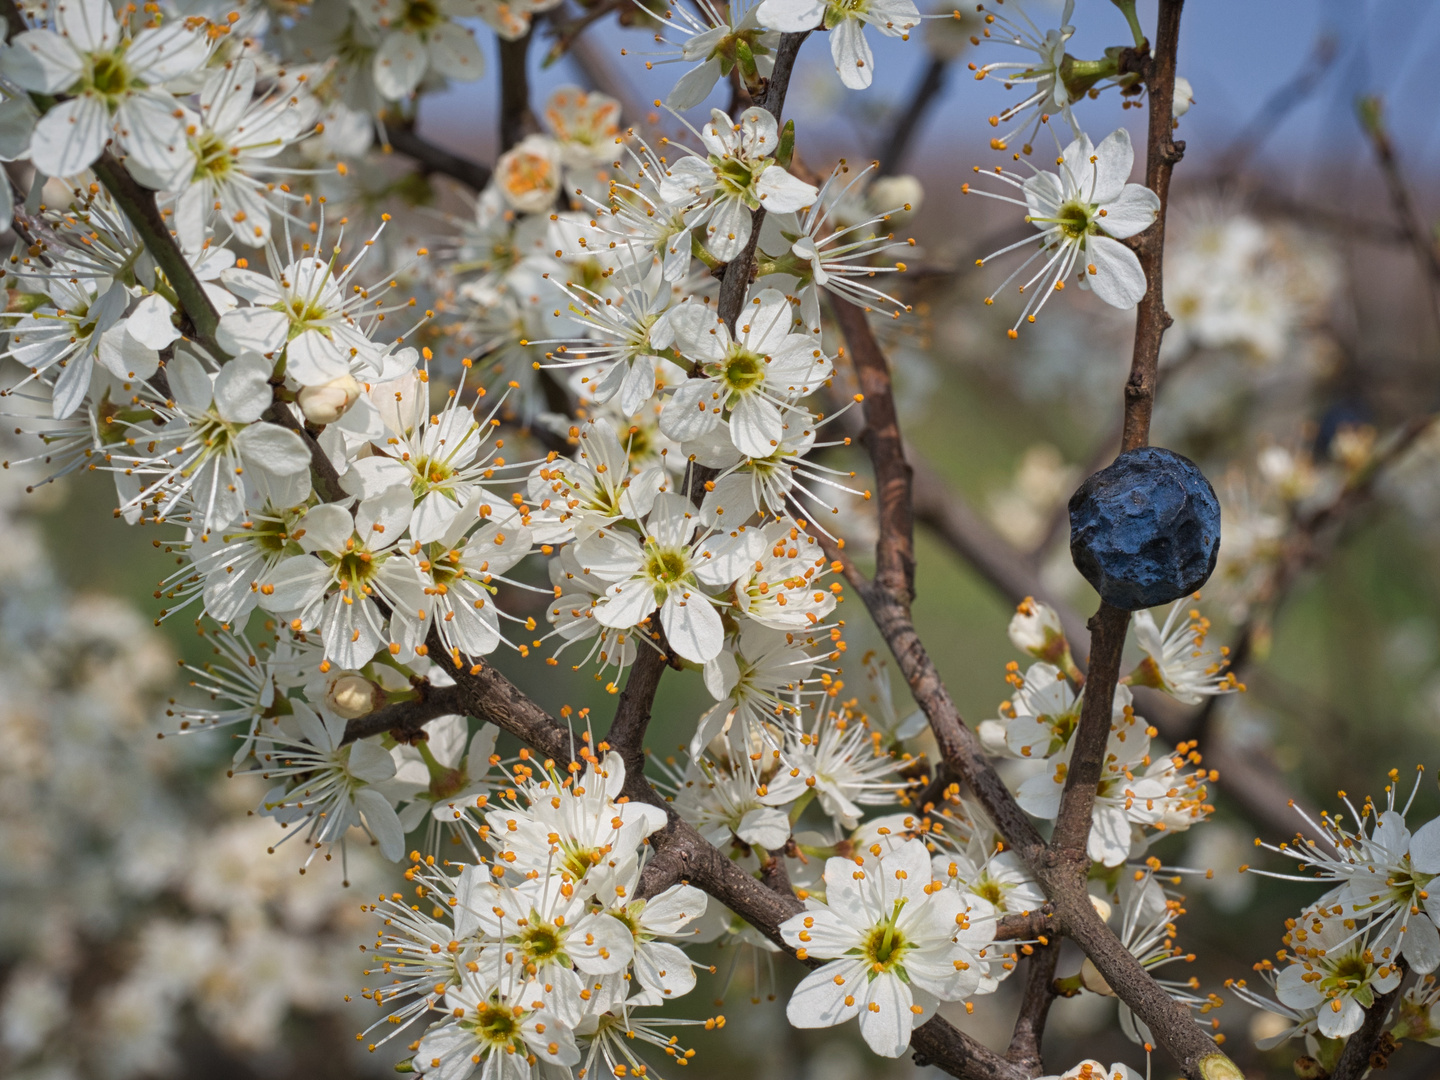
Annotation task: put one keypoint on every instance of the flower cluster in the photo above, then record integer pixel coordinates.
(545, 947)
(1356, 941)
(598, 419)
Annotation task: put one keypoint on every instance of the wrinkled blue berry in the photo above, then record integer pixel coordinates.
(1146, 530)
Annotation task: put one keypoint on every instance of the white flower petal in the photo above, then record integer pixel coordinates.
(1118, 278)
(70, 136)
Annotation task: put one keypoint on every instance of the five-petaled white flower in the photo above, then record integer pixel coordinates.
(738, 177)
(114, 84)
(1083, 211)
(1177, 659)
(669, 567)
(846, 20)
(751, 376)
(899, 944)
(419, 36)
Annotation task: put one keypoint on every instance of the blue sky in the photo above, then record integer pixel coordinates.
(1235, 53)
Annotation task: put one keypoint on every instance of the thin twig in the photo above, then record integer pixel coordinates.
(138, 204)
(736, 280)
(1035, 1005)
(406, 719)
(1401, 201)
(516, 117)
(435, 159)
(1108, 626)
(632, 712)
(1273, 110)
(906, 121)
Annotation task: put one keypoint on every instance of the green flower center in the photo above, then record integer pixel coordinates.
(430, 473)
(540, 943)
(354, 569)
(577, 861)
(445, 565)
(736, 179)
(989, 889)
(494, 1024)
(1074, 220)
(665, 566)
(109, 77)
(303, 309)
(885, 945)
(742, 370)
(214, 159)
(837, 11)
(420, 15)
(215, 435)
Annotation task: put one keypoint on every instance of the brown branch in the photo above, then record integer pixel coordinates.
(735, 281)
(405, 719)
(1035, 1005)
(488, 695)
(774, 875)
(138, 204)
(435, 159)
(632, 712)
(1162, 154)
(1401, 201)
(895, 552)
(888, 596)
(937, 1043)
(1087, 746)
(516, 118)
(1040, 925)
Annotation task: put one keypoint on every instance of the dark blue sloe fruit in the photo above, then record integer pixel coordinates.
(1146, 530)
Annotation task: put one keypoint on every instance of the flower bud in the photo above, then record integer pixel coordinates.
(1035, 629)
(350, 696)
(890, 193)
(326, 403)
(529, 175)
(1184, 98)
(1093, 981)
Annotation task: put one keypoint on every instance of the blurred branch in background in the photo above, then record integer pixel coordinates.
(1370, 111)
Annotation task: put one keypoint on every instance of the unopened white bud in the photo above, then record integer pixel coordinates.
(529, 176)
(1102, 907)
(1036, 629)
(1093, 981)
(352, 696)
(891, 193)
(1184, 98)
(326, 403)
